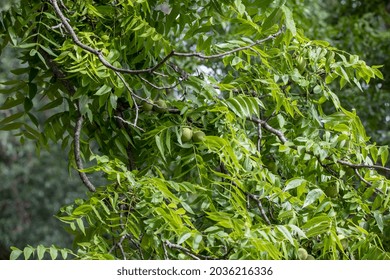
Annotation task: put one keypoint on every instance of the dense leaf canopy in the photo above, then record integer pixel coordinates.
(217, 126)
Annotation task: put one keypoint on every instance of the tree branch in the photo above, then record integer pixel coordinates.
(377, 191)
(98, 53)
(58, 73)
(119, 245)
(283, 139)
(220, 55)
(360, 166)
(187, 251)
(166, 256)
(260, 135)
(77, 155)
(129, 123)
(269, 128)
(261, 208)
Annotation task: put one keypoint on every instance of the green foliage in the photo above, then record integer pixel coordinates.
(361, 28)
(272, 135)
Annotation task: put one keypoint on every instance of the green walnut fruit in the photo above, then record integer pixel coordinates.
(147, 106)
(310, 258)
(161, 106)
(301, 64)
(198, 136)
(186, 134)
(302, 254)
(332, 191)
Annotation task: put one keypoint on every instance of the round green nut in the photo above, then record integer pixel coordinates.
(147, 106)
(161, 106)
(302, 254)
(332, 191)
(199, 136)
(310, 258)
(186, 134)
(301, 63)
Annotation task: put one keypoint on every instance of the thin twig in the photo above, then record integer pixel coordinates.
(77, 155)
(132, 94)
(360, 166)
(119, 245)
(269, 128)
(187, 251)
(183, 74)
(122, 251)
(259, 135)
(376, 190)
(326, 166)
(361, 178)
(220, 55)
(182, 249)
(261, 208)
(129, 149)
(166, 256)
(129, 123)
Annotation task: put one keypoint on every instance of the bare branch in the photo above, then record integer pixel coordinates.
(77, 155)
(261, 208)
(269, 128)
(119, 245)
(361, 178)
(377, 191)
(360, 166)
(129, 123)
(260, 135)
(132, 94)
(165, 251)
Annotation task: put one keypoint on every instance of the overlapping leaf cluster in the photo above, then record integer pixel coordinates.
(275, 171)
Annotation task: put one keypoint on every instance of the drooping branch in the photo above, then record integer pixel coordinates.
(376, 190)
(77, 155)
(98, 53)
(59, 74)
